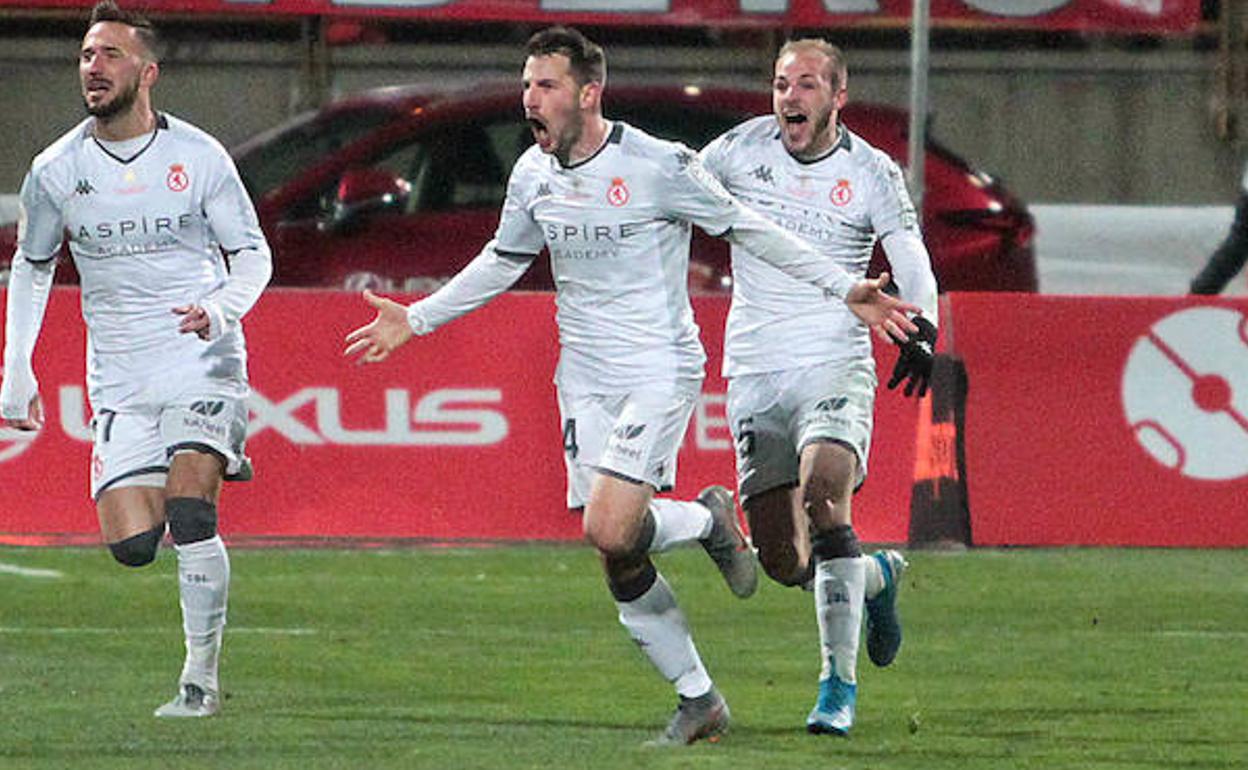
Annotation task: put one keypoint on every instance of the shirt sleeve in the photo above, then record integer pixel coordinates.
(502, 262)
(912, 269)
(39, 237)
(891, 208)
(40, 224)
(235, 226)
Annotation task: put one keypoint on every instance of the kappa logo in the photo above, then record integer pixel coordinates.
(177, 179)
(543, 190)
(628, 432)
(617, 193)
(763, 174)
(208, 408)
(842, 193)
(84, 187)
(1185, 393)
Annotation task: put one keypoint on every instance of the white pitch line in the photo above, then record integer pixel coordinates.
(13, 569)
(54, 631)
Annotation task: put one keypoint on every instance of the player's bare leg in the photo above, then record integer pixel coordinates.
(191, 494)
(132, 523)
(827, 476)
(781, 533)
(618, 524)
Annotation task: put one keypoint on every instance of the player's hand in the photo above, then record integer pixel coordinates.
(389, 330)
(33, 419)
(914, 364)
(884, 314)
(195, 320)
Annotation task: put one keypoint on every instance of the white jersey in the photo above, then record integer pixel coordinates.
(618, 226)
(146, 221)
(840, 204)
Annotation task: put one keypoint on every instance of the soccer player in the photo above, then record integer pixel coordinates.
(801, 377)
(614, 207)
(148, 204)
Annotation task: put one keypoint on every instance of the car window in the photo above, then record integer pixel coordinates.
(303, 146)
(462, 167)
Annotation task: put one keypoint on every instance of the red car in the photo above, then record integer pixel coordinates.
(398, 188)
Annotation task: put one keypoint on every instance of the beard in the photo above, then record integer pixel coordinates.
(122, 101)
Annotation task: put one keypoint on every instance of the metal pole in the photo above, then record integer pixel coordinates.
(919, 29)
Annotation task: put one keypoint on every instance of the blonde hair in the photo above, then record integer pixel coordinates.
(838, 71)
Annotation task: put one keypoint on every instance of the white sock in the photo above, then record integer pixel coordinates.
(838, 609)
(875, 577)
(204, 586)
(677, 522)
(656, 623)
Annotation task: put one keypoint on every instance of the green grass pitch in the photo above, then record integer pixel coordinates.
(511, 657)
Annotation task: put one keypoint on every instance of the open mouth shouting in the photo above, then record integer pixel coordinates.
(541, 132)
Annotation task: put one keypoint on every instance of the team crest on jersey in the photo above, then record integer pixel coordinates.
(177, 178)
(841, 193)
(617, 193)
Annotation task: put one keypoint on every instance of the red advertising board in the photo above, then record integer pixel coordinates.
(457, 436)
(1106, 15)
(1105, 421)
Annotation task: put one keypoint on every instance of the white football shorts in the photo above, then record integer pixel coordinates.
(774, 415)
(133, 447)
(634, 435)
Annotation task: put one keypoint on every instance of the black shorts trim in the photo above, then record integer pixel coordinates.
(136, 472)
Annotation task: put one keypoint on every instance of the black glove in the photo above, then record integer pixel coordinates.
(914, 365)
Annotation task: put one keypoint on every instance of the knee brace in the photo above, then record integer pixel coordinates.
(837, 543)
(190, 519)
(138, 550)
(629, 588)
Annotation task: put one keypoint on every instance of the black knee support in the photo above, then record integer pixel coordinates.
(837, 543)
(138, 550)
(190, 519)
(628, 589)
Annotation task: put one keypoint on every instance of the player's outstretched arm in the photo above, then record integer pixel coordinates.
(884, 314)
(389, 331)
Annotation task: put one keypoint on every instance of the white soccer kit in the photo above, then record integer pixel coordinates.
(146, 221)
(617, 226)
(840, 204)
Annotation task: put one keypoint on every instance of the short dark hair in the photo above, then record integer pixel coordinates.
(586, 59)
(108, 10)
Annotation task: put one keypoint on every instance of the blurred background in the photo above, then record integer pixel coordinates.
(1119, 123)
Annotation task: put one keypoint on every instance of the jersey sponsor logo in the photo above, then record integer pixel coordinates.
(177, 179)
(628, 432)
(617, 193)
(124, 228)
(208, 408)
(84, 187)
(842, 193)
(832, 404)
(1185, 393)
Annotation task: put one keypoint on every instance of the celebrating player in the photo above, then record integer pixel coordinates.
(613, 206)
(147, 203)
(801, 377)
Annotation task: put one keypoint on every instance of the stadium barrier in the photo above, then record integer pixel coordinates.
(1087, 421)
(456, 437)
(1105, 421)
